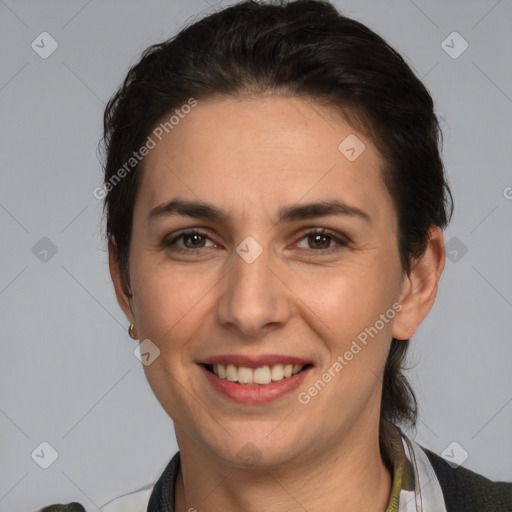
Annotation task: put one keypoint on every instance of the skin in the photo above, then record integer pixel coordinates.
(302, 296)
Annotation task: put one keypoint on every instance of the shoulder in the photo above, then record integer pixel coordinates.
(136, 501)
(466, 490)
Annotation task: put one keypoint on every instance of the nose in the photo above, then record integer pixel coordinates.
(255, 299)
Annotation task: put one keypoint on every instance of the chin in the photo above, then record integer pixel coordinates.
(257, 447)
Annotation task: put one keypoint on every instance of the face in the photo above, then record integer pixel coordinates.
(261, 248)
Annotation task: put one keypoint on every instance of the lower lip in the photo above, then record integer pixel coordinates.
(257, 393)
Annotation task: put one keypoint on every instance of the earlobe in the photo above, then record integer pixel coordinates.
(121, 288)
(420, 286)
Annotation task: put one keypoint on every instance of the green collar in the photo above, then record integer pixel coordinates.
(403, 472)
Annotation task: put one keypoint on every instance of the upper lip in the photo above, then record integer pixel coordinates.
(255, 361)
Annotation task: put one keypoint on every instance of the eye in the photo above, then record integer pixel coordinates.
(322, 240)
(191, 240)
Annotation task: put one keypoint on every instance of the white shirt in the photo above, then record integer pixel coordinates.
(134, 502)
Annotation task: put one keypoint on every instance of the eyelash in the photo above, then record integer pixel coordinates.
(315, 231)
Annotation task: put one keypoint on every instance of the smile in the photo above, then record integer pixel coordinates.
(255, 380)
(261, 375)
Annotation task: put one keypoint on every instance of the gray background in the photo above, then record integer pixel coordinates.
(68, 373)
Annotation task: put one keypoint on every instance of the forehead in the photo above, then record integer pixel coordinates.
(264, 150)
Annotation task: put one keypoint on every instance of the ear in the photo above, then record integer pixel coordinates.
(120, 286)
(419, 287)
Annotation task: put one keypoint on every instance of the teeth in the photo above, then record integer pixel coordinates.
(262, 375)
(245, 375)
(231, 372)
(277, 372)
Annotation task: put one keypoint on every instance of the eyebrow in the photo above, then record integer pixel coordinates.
(206, 211)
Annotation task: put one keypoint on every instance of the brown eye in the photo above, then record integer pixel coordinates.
(323, 241)
(188, 241)
(319, 241)
(193, 241)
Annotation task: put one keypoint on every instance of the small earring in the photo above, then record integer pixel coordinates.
(130, 332)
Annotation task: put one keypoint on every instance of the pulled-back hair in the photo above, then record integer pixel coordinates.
(304, 48)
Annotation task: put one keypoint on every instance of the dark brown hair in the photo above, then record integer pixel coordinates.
(304, 48)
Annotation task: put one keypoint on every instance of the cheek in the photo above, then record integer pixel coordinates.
(168, 300)
(169, 311)
(356, 305)
(348, 300)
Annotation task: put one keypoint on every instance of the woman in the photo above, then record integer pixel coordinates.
(275, 201)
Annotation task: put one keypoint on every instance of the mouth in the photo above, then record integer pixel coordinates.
(261, 375)
(255, 380)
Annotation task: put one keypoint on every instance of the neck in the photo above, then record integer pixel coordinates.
(347, 475)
